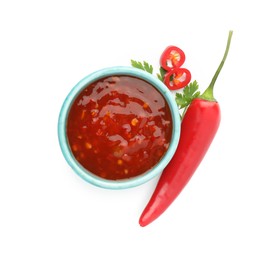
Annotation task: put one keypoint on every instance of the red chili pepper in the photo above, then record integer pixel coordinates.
(172, 57)
(177, 78)
(198, 129)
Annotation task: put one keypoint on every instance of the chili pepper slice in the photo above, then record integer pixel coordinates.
(172, 57)
(198, 129)
(177, 78)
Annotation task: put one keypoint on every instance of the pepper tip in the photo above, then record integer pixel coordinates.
(142, 223)
(143, 220)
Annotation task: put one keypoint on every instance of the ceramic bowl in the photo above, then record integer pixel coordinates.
(123, 183)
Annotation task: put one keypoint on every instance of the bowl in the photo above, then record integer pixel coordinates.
(124, 183)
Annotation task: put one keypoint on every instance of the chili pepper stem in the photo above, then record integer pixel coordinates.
(208, 93)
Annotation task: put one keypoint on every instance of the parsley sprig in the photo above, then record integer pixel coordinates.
(142, 65)
(161, 74)
(184, 99)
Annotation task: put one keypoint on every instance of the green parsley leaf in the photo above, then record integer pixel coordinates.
(189, 93)
(161, 74)
(137, 64)
(143, 66)
(147, 67)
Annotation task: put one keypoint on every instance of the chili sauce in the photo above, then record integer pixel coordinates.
(119, 127)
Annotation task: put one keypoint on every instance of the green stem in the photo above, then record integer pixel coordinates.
(208, 93)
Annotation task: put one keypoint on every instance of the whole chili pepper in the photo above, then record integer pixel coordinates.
(198, 128)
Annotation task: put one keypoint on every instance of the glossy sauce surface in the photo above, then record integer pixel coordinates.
(119, 127)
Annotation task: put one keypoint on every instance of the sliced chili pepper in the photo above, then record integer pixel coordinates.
(172, 57)
(177, 78)
(198, 129)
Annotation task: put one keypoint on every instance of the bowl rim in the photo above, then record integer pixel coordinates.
(129, 182)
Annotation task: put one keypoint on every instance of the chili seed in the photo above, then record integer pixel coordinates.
(94, 112)
(134, 121)
(145, 105)
(74, 148)
(119, 162)
(83, 114)
(88, 145)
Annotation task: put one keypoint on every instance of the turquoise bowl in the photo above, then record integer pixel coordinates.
(124, 183)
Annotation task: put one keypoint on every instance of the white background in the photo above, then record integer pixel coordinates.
(228, 209)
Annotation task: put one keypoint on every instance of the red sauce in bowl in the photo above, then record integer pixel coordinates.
(119, 127)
